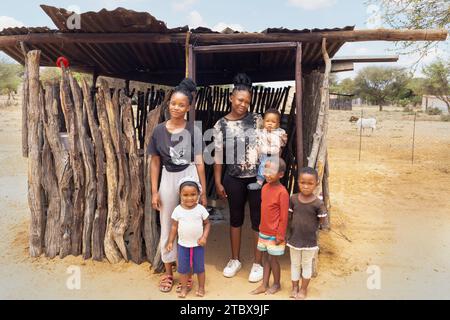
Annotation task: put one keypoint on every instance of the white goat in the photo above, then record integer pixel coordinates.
(363, 123)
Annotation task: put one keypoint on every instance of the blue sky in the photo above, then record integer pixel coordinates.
(238, 14)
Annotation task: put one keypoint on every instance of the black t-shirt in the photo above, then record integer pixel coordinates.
(176, 150)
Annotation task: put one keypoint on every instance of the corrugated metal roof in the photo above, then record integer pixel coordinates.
(157, 62)
(119, 20)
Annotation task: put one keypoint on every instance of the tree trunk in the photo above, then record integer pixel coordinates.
(35, 194)
(76, 161)
(134, 231)
(121, 224)
(50, 184)
(25, 97)
(101, 211)
(151, 232)
(111, 248)
(63, 169)
(87, 152)
(325, 101)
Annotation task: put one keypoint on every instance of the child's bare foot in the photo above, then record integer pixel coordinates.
(183, 292)
(273, 289)
(301, 295)
(259, 290)
(294, 292)
(200, 292)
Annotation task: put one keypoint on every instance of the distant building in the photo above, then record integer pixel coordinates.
(429, 102)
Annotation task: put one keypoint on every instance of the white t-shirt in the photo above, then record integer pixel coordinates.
(190, 224)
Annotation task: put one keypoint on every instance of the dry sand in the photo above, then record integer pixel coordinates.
(385, 212)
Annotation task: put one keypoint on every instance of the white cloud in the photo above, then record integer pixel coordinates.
(312, 5)
(74, 8)
(195, 20)
(222, 25)
(183, 4)
(9, 22)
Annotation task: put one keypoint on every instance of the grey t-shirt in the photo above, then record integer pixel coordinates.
(305, 222)
(176, 150)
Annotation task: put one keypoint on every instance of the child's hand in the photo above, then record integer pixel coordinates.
(169, 247)
(201, 241)
(278, 242)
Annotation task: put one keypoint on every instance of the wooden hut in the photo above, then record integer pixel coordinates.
(88, 177)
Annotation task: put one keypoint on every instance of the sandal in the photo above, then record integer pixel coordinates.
(166, 283)
(188, 285)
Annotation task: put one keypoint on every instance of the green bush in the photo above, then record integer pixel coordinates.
(434, 111)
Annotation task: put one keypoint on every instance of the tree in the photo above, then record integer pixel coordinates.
(345, 86)
(415, 14)
(379, 85)
(10, 74)
(437, 81)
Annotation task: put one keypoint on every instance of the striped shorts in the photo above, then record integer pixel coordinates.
(268, 243)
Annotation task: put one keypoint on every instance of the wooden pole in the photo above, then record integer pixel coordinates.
(87, 152)
(413, 138)
(25, 93)
(123, 185)
(299, 107)
(35, 195)
(134, 231)
(99, 223)
(63, 168)
(151, 232)
(246, 47)
(325, 101)
(111, 249)
(76, 161)
(50, 184)
(360, 136)
(192, 74)
(60, 38)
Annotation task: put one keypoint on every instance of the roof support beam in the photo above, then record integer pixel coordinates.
(246, 47)
(218, 38)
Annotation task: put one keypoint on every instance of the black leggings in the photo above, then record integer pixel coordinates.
(237, 195)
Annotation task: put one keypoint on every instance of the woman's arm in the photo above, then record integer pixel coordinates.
(201, 174)
(220, 190)
(155, 170)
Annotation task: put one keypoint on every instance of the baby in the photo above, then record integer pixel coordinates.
(269, 140)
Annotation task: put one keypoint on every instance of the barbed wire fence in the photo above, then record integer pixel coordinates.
(410, 137)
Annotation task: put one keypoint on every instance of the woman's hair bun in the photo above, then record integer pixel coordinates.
(188, 84)
(241, 79)
(187, 87)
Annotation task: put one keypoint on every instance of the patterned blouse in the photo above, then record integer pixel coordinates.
(235, 145)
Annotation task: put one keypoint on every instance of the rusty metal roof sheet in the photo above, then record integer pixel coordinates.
(157, 61)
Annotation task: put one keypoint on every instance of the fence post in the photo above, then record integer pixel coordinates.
(414, 137)
(360, 135)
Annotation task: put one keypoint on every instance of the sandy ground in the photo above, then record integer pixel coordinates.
(387, 215)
